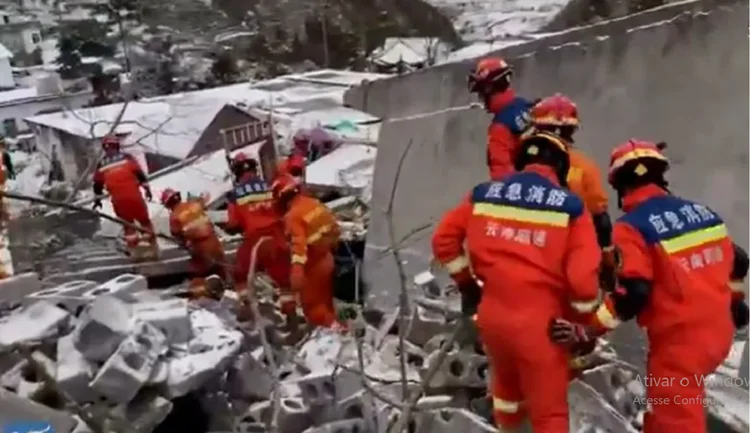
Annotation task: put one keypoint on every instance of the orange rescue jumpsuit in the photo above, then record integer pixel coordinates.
(291, 165)
(121, 175)
(510, 119)
(313, 233)
(190, 223)
(251, 209)
(533, 246)
(683, 250)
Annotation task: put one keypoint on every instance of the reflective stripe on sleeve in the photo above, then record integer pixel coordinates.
(606, 317)
(298, 260)
(737, 286)
(287, 298)
(505, 406)
(457, 265)
(319, 234)
(198, 222)
(584, 306)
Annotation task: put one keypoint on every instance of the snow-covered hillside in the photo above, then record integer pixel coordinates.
(489, 25)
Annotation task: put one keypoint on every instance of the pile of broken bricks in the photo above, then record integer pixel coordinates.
(118, 357)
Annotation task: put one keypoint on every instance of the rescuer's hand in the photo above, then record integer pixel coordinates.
(471, 295)
(97, 204)
(608, 269)
(564, 332)
(740, 313)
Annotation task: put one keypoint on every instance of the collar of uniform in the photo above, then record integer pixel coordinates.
(641, 194)
(498, 101)
(543, 170)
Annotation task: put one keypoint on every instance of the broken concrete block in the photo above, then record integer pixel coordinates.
(294, 415)
(321, 388)
(146, 411)
(169, 316)
(459, 369)
(451, 420)
(424, 325)
(104, 325)
(248, 379)
(354, 425)
(121, 286)
(73, 372)
(33, 323)
(428, 284)
(67, 296)
(12, 377)
(130, 367)
(17, 287)
(437, 342)
(208, 354)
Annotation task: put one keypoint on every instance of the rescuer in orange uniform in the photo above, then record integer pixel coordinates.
(293, 165)
(490, 80)
(532, 245)
(251, 211)
(674, 278)
(190, 225)
(313, 233)
(121, 175)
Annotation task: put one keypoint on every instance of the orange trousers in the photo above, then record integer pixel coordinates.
(132, 208)
(273, 258)
(529, 373)
(206, 258)
(675, 362)
(316, 296)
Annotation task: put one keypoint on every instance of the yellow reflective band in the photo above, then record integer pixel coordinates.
(737, 286)
(457, 265)
(313, 214)
(505, 406)
(197, 223)
(584, 306)
(114, 164)
(546, 217)
(577, 363)
(299, 260)
(287, 298)
(133, 236)
(634, 154)
(319, 234)
(606, 318)
(252, 198)
(694, 239)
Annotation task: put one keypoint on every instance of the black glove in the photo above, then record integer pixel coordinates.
(471, 295)
(740, 313)
(149, 196)
(568, 333)
(97, 204)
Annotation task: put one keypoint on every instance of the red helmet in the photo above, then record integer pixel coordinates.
(110, 142)
(241, 163)
(284, 185)
(491, 75)
(556, 111)
(635, 158)
(169, 195)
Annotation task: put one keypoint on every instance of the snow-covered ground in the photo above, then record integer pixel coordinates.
(489, 25)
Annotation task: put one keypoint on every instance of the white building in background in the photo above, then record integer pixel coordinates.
(45, 97)
(405, 54)
(20, 36)
(6, 71)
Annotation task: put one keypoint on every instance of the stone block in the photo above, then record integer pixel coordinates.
(73, 372)
(353, 425)
(104, 325)
(67, 295)
(212, 349)
(424, 325)
(248, 378)
(450, 420)
(170, 316)
(322, 388)
(17, 287)
(131, 366)
(428, 284)
(459, 369)
(294, 415)
(35, 322)
(120, 286)
(146, 411)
